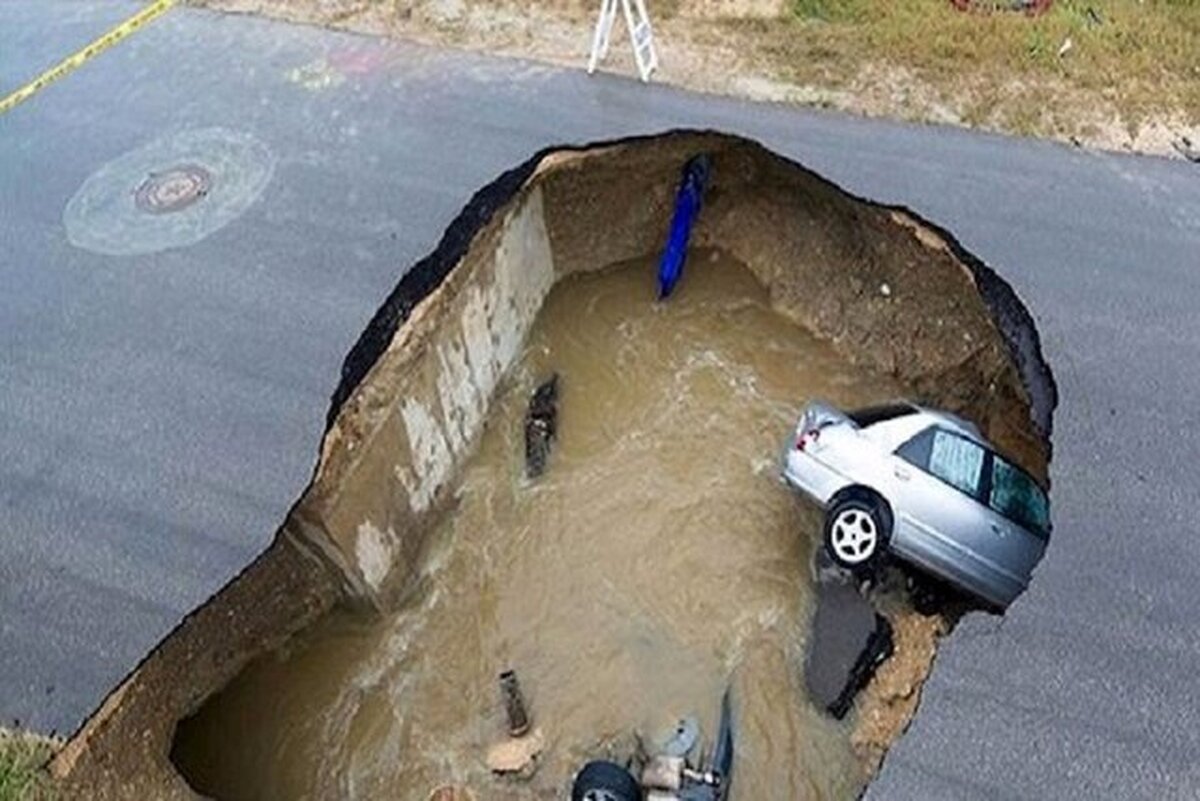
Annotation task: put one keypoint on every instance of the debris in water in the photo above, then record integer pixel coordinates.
(687, 205)
(514, 704)
(684, 738)
(664, 772)
(672, 776)
(602, 779)
(517, 755)
(541, 426)
(849, 641)
(879, 648)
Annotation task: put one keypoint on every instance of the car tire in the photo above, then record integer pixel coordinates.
(605, 781)
(857, 529)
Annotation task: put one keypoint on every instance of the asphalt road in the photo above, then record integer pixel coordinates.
(160, 412)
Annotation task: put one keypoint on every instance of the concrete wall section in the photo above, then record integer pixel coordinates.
(408, 428)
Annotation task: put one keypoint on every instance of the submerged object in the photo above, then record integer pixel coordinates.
(674, 776)
(514, 704)
(687, 205)
(849, 640)
(518, 754)
(541, 426)
(667, 775)
(879, 648)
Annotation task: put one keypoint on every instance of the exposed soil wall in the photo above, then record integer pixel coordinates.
(890, 291)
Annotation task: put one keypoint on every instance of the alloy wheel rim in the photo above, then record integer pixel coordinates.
(854, 536)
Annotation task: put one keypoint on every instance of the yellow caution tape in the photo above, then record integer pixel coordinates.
(81, 57)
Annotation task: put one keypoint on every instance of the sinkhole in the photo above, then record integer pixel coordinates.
(655, 561)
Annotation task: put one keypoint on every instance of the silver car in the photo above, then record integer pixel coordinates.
(926, 486)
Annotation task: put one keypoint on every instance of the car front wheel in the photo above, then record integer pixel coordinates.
(857, 529)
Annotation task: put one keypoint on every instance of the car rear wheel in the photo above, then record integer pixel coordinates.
(857, 530)
(605, 781)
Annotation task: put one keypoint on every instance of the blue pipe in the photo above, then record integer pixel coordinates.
(687, 205)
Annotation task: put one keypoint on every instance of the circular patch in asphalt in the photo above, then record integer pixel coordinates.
(173, 189)
(169, 193)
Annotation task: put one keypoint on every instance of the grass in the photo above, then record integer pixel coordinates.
(22, 757)
(1132, 66)
(1139, 59)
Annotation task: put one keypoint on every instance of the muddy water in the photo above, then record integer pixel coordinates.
(657, 561)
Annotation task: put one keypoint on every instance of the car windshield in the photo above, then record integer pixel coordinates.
(1018, 497)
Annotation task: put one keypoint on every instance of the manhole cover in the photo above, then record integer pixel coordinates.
(173, 189)
(169, 193)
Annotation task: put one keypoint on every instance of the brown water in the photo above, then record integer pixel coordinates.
(658, 560)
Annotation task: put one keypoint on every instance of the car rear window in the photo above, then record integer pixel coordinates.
(1017, 496)
(870, 415)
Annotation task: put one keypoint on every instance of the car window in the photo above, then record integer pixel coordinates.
(1017, 496)
(916, 450)
(871, 415)
(956, 460)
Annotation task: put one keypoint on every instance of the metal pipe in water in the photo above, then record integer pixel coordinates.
(514, 704)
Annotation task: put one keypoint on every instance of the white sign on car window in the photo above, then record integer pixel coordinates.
(956, 461)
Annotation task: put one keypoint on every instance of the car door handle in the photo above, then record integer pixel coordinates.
(998, 529)
(902, 474)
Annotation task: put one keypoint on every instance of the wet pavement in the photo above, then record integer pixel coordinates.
(159, 413)
(658, 560)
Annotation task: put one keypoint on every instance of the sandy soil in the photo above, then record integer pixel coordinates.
(699, 49)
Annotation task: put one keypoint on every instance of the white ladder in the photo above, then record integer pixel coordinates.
(640, 32)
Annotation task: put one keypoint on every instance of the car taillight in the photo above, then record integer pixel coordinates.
(807, 438)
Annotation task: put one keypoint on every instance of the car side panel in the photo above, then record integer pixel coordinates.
(814, 478)
(841, 457)
(857, 457)
(949, 533)
(1011, 545)
(947, 559)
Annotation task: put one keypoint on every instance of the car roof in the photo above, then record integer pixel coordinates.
(958, 424)
(896, 431)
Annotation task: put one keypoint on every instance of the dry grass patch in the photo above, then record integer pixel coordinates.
(22, 757)
(1041, 75)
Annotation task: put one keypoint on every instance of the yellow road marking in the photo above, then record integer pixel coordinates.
(81, 57)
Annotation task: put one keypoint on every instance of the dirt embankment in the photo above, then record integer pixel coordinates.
(886, 290)
(1113, 75)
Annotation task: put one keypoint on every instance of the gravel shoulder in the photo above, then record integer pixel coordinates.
(1103, 77)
